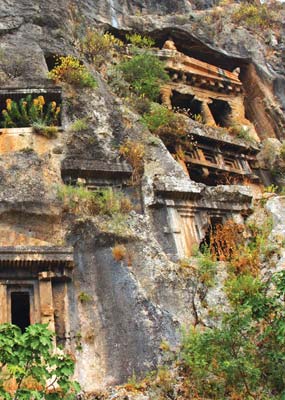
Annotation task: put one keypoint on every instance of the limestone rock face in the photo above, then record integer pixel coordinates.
(276, 207)
(119, 311)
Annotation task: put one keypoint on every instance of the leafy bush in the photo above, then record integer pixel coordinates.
(29, 112)
(98, 47)
(171, 127)
(138, 40)
(145, 73)
(256, 16)
(79, 125)
(83, 201)
(70, 70)
(243, 358)
(84, 297)
(161, 119)
(203, 271)
(30, 368)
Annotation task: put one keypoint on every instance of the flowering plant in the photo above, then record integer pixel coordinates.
(29, 111)
(70, 70)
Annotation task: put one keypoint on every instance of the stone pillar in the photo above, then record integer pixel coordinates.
(166, 93)
(207, 115)
(237, 118)
(3, 304)
(46, 300)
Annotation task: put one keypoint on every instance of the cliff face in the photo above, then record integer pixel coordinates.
(114, 313)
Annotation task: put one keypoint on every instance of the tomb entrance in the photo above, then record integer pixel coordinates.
(29, 280)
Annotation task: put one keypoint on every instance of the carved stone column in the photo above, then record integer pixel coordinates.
(46, 300)
(166, 93)
(207, 115)
(4, 305)
(237, 117)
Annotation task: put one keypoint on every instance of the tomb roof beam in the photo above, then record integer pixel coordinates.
(58, 260)
(94, 168)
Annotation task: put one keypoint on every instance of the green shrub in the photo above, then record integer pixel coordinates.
(244, 357)
(98, 47)
(207, 267)
(255, 15)
(29, 112)
(70, 70)
(84, 297)
(159, 116)
(145, 73)
(79, 125)
(171, 127)
(30, 368)
(80, 200)
(140, 41)
(47, 131)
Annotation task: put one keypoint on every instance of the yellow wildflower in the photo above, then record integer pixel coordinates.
(9, 104)
(36, 102)
(57, 111)
(53, 105)
(41, 100)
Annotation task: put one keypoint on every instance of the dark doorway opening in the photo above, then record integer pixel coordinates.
(220, 110)
(51, 60)
(20, 309)
(187, 104)
(214, 223)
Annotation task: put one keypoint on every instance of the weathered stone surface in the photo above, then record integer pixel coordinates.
(276, 207)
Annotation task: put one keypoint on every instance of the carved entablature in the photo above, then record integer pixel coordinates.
(94, 173)
(29, 261)
(196, 73)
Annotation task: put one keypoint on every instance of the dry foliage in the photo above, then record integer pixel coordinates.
(225, 240)
(240, 246)
(134, 152)
(119, 252)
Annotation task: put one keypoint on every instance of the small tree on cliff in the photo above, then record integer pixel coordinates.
(31, 369)
(145, 72)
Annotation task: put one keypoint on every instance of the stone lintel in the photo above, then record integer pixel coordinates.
(225, 140)
(168, 191)
(75, 167)
(222, 197)
(24, 91)
(36, 256)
